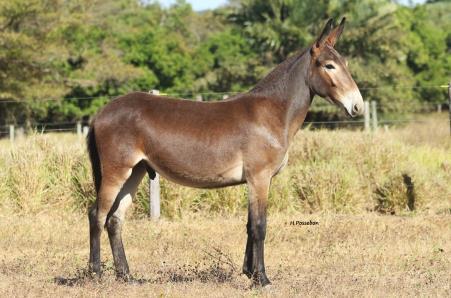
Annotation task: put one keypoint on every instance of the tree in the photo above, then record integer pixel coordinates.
(29, 55)
(66, 59)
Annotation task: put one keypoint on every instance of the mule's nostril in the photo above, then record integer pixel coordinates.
(356, 108)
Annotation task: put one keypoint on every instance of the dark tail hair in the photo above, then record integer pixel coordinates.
(94, 157)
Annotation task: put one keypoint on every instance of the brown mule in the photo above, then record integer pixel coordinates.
(211, 144)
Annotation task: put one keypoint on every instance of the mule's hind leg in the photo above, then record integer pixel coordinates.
(116, 219)
(108, 191)
(94, 241)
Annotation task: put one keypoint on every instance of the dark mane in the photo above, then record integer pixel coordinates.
(276, 81)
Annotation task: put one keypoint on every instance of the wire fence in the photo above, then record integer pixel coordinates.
(193, 94)
(71, 127)
(76, 126)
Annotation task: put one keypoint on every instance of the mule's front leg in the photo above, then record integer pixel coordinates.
(248, 256)
(258, 193)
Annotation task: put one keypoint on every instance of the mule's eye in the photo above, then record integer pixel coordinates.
(330, 66)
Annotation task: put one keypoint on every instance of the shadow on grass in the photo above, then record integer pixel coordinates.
(215, 267)
(82, 277)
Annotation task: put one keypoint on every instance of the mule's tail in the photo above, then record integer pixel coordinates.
(94, 157)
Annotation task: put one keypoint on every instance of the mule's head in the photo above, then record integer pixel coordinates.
(329, 76)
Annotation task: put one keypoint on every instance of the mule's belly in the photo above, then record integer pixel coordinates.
(232, 176)
(214, 175)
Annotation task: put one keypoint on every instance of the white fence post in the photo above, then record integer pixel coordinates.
(11, 133)
(198, 97)
(374, 114)
(367, 115)
(79, 132)
(154, 188)
(85, 131)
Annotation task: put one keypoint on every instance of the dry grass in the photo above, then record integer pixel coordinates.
(370, 240)
(371, 255)
(340, 171)
(431, 131)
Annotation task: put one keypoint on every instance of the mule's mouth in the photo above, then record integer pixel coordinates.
(348, 113)
(351, 102)
(340, 104)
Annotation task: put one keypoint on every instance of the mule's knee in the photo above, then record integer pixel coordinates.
(114, 225)
(93, 221)
(124, 204)
(115, 220)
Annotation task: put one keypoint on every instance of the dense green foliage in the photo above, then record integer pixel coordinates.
(62, 60)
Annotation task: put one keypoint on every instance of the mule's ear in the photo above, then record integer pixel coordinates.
(336, 33)
(324, 33)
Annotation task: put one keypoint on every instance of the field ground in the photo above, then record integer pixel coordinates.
(382, 200)
(371, 255)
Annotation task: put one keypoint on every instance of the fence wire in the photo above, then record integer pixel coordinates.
(193, 94)
(71, 126)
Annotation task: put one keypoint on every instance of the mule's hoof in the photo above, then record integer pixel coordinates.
(260, 280)
(95, 276)
(94, 271)
(247, 273)
(263, 283)
(267, 286)
(129, 279)
(124, 277)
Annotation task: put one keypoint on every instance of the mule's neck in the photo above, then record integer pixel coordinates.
(288, 85)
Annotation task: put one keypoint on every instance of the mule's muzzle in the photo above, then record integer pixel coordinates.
(357, 110)
(353, 103)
